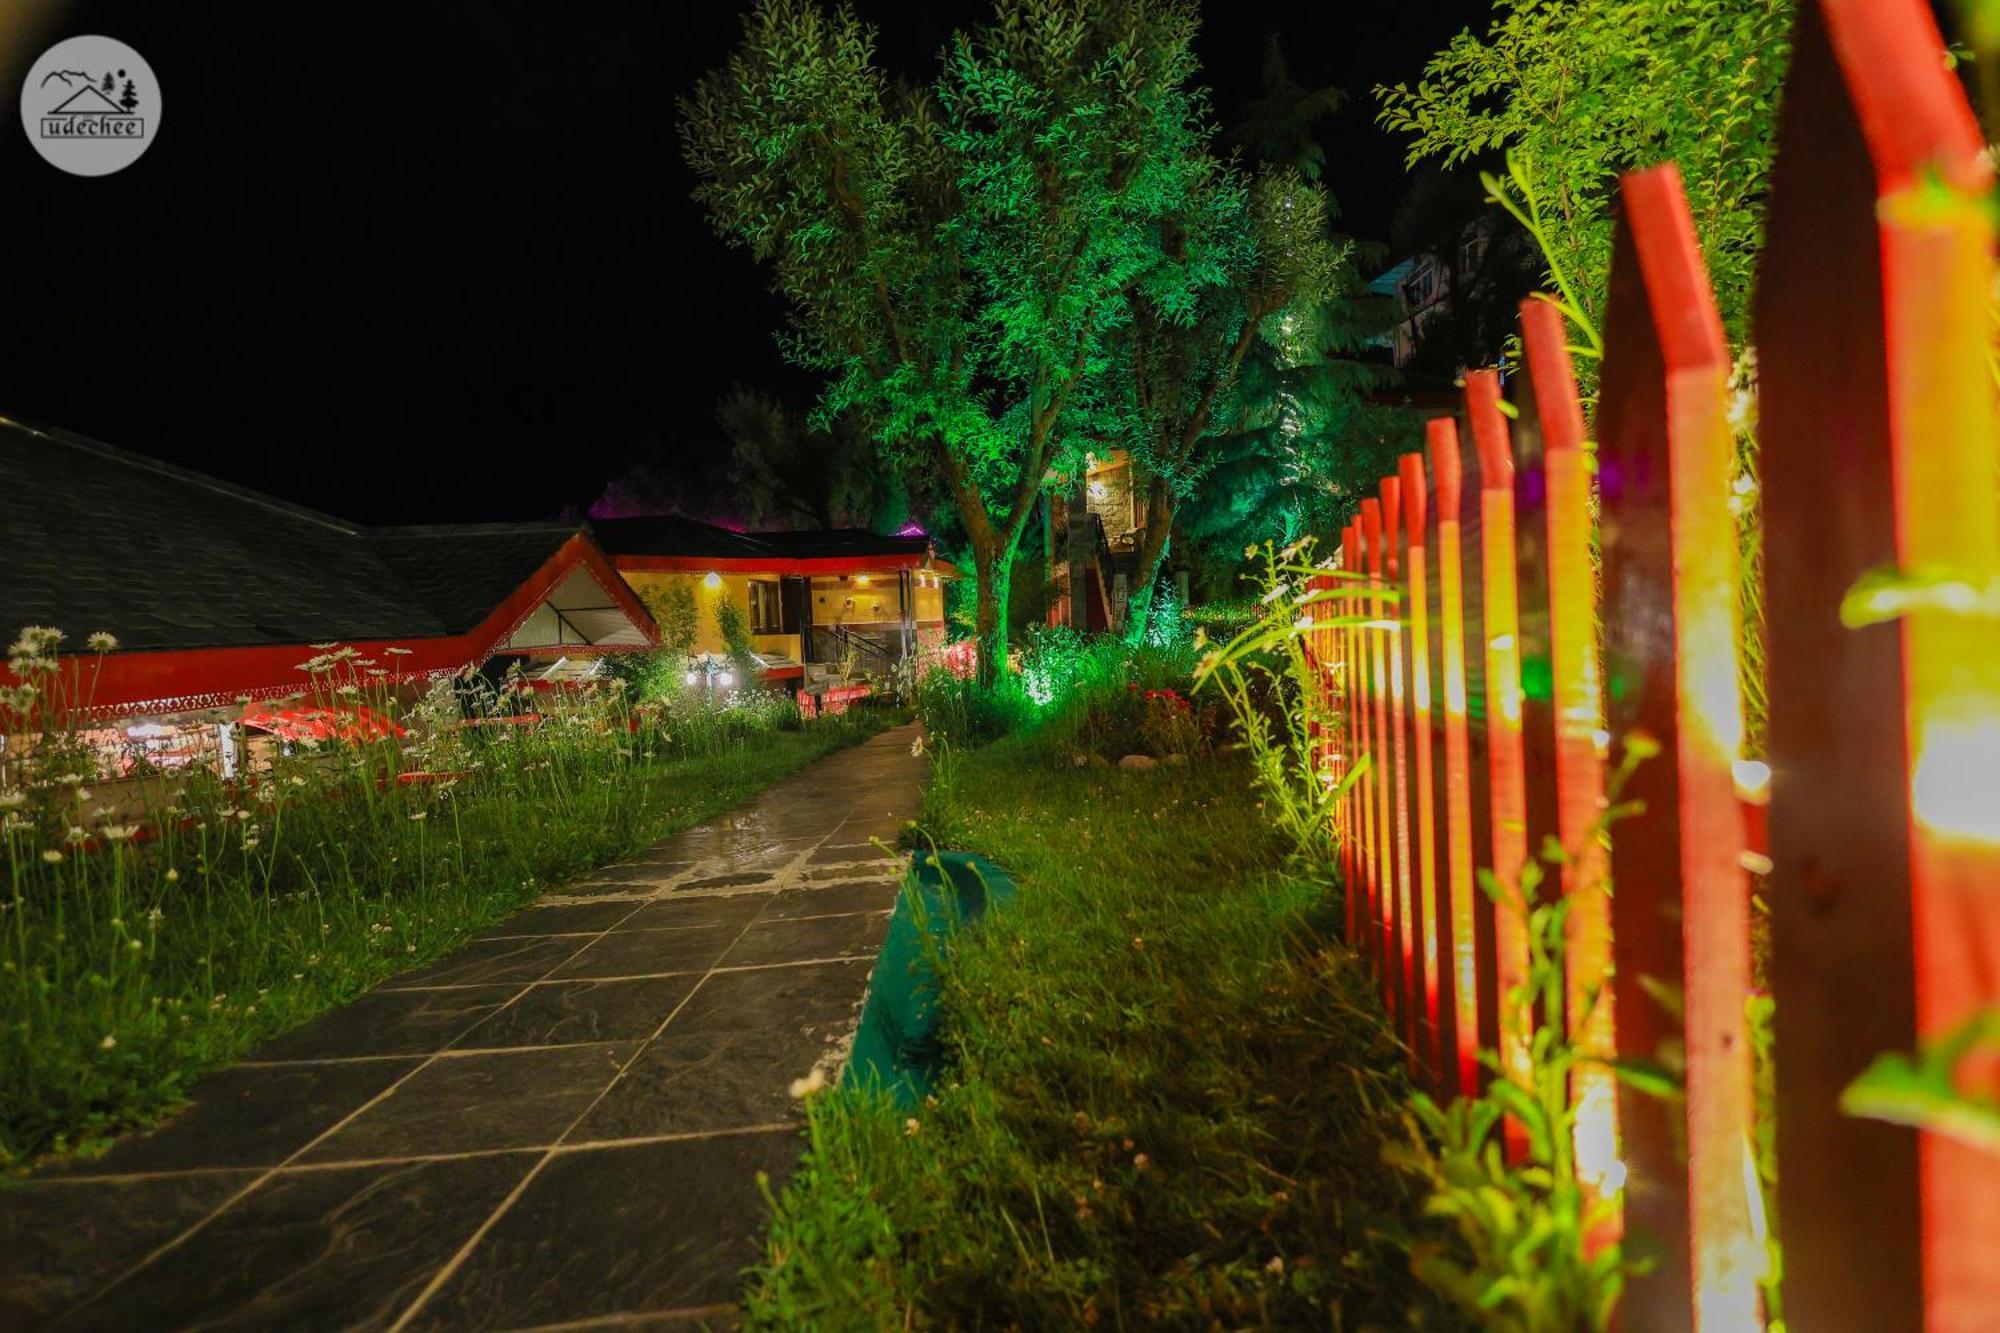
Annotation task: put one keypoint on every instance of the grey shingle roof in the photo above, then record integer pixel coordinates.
(670, 535)
(95, 538)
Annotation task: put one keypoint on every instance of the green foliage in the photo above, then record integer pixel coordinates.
(141, 947)
(1271, 683)
(1582, 91)
(1924, 1091)
(1168, 625)
(1277, 126)
(955, 254)
(1166, 1099)
(1514, 1250)
(732, 622)
(677, 614)
(1084, 698)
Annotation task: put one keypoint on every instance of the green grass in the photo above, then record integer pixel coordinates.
(128, 970)
(1170, 1096)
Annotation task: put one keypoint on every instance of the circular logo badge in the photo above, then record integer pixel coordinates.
(90, 105)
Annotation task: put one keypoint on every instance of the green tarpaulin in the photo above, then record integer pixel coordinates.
(898, 1046)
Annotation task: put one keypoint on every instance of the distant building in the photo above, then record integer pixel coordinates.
(217, 596)
(1455, 306)
(216, 593)
(817, 603)
(1096, 527)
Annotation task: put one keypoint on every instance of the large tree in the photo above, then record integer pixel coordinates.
(955, 254)
(1242, 265)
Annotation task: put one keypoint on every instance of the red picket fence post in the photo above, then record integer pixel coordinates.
(1423, 805)
(1506, 755)
(1878, 452)
(1380, 776)
(1681, 909)
(1461, 892)
(1576, 713)
(1398, 754)
(1355, 854)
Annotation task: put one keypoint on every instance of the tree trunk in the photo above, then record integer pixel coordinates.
(993, 573)
(1152, 554)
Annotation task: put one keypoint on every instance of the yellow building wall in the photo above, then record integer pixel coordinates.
(859, 601)
(651, 587)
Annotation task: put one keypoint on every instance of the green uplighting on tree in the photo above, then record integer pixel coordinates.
(956, 255)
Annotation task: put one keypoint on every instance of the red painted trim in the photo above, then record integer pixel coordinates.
(217, 677)
(775, 566)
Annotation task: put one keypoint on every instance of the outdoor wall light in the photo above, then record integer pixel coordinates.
(726, 679)
(713, 581)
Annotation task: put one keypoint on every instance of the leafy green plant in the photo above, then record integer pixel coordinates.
(1924, 1090)
(1580, 92)
(1278, 690)
(1516, 1253)
(733, 624)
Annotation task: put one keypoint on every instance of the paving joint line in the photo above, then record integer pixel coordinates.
(450, 1268)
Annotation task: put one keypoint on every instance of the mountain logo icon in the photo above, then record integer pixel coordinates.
(87, 101)
(90, 105)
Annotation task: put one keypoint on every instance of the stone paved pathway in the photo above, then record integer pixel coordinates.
(559, 1125)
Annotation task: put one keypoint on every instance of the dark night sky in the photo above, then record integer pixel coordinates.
(427, 262)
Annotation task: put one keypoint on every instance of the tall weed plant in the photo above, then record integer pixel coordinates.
(140, 943)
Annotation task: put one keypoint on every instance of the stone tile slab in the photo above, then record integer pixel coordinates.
(675, 913)
(798, 941)
(474, 1103)
(486, 962)
(812, 994)
(554, 1013)
(561, 919)
(862, 896)
(590, 1237)
(309, 1250)
(636, 953)
(412, 1022)
(62, 1241)
(249, 1115)
(699, 1081)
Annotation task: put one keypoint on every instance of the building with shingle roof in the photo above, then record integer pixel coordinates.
(216, 593)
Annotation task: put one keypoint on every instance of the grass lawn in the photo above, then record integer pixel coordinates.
(126, 971)
(1171, 1093)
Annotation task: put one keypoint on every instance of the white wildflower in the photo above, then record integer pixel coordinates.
(101, 642)
(108, 1042)
(52, 856)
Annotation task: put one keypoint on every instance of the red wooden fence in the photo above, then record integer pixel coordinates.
(1589, 596)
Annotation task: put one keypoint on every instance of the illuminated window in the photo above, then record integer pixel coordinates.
(766, 617)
